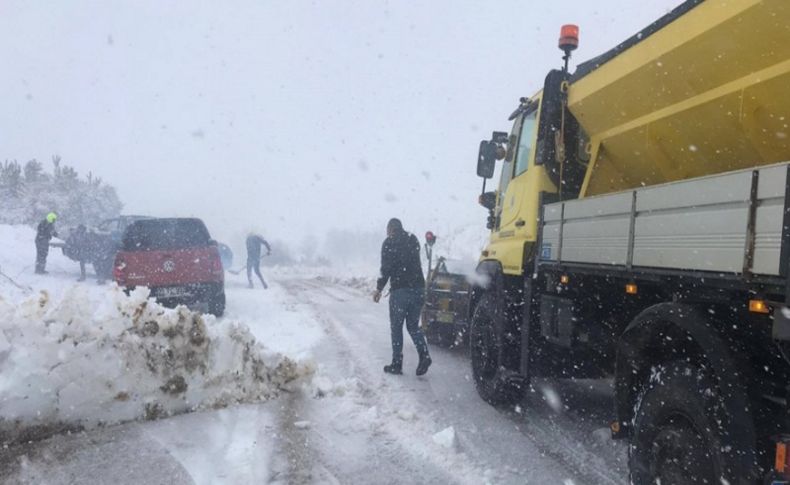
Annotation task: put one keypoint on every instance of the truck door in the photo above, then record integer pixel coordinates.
(504, 218)
(524, 130)
(515, 219)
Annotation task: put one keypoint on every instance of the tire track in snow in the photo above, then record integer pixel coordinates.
(295, 460)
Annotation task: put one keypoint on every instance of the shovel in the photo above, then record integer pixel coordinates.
(237, 271)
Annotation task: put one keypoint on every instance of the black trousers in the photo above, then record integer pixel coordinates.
(42, 251)
(406, 306)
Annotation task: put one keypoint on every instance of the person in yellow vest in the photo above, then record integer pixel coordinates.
(45, 232)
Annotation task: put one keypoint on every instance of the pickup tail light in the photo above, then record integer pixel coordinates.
(216, 263)
(119, 270)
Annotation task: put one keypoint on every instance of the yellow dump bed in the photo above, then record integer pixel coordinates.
(707, 92)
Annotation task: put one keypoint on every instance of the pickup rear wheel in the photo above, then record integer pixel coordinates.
(485, 343)
(683, 433)
(216, 305)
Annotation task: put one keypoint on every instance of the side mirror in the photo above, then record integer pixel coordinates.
(486, 158)
(487, 200)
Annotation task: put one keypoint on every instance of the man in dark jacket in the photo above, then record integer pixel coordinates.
(45, 232)
(254, 243)
(400, 265)
(104, 249)
(78, 248)
(86, 246)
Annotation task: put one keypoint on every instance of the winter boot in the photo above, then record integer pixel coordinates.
(422, 366)
(396, 367)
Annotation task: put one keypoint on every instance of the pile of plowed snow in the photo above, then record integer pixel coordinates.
(72, 362)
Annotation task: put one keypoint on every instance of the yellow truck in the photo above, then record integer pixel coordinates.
(641, 230)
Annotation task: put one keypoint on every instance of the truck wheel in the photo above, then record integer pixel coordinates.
(486, 355)
(216, 305)
(683, 433)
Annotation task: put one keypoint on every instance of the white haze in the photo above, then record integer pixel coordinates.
(289, 117)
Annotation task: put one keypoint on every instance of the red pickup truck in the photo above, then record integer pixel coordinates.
(176, 259)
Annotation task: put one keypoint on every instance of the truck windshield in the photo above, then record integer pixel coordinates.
(525, 141)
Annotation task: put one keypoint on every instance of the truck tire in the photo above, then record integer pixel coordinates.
(216, 305)
(683, 433)
(486, 354)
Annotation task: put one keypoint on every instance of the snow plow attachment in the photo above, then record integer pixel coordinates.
(642, 104)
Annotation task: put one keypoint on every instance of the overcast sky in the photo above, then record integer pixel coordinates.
(290, 117)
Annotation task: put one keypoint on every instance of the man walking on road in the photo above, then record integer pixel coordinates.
(254, 243)
(44, 232)
(400, 265)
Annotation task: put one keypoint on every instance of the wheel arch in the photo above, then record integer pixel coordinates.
(671, 331)
(488, 277)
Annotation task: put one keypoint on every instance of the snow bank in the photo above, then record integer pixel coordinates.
(73, 362)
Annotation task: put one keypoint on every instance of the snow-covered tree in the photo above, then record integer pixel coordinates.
(34, 171)
(28, 193)
(11, 182)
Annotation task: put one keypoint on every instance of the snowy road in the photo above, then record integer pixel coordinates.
(353, 424)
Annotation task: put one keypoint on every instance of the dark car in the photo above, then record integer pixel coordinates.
(444, 315)
(176, 258)
(115, 227)
(91, 247)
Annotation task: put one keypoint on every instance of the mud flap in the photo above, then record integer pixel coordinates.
(781, 326)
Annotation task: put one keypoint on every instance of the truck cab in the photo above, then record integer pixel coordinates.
(520, 182)
(539, 156)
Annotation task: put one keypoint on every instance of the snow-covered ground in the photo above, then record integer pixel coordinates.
(347, 422)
